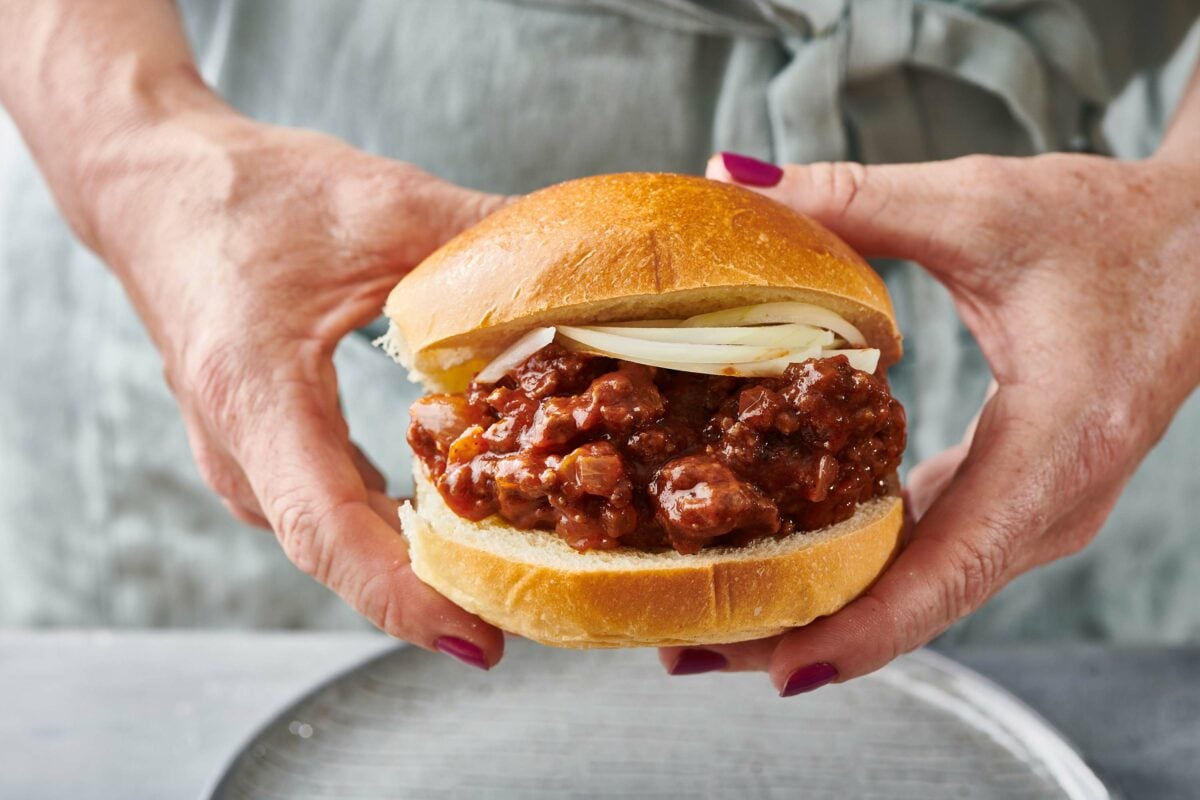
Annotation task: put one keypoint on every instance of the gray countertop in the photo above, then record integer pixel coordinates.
(156, 714)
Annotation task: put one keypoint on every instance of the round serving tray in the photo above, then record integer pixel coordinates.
(558, 723)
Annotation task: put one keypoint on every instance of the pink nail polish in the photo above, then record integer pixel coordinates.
(805, 679)
(751, 171)
(694, 661)
(462, 650)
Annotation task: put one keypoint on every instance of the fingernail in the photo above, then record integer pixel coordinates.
(751, 171)
(463, 650)
(693, 661)
(805, 679)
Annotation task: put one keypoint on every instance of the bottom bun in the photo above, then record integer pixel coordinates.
(534, 584)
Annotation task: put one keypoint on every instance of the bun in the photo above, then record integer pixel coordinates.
(533, 584)
(613, 247)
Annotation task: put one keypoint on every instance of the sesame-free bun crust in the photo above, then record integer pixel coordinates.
(618, 247)
(534, 584)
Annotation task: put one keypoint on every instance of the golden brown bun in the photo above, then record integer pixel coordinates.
(613, 247)
(533, 584)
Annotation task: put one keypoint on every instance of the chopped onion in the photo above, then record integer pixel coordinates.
(789, 336)
(767, 313)
(515, 354)
(631, 349)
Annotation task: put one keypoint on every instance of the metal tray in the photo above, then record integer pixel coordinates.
(556, 723)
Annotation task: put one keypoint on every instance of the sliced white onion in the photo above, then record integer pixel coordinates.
(516, 353)
(645, 323)
(789, 336)
(754, 369)
(630, 349)
(751, 341)
(865, 359)
(768, 313)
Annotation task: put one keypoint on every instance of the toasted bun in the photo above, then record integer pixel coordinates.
(617, 247)
(534, 584)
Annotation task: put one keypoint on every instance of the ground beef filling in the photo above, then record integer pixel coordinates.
(609, 453)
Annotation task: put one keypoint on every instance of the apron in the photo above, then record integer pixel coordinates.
(508, 97)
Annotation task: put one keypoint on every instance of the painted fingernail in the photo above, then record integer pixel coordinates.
(463, 650)
(805, 679)
(751, 171)
(693, 661)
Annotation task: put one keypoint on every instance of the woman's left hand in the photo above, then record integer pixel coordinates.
(1079, 276)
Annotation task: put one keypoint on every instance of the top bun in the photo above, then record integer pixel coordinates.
(620, 247)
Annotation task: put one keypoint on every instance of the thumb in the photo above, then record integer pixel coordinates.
(402, 214)
(451, 209)
(922, 212)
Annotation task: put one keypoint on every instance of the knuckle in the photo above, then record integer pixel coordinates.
(898, 630)
(841, 183)
(1098, 449)
(978, 568)
(299, 530)
(217, 476)
(379, 601)
(1106, 433)
(214, 380)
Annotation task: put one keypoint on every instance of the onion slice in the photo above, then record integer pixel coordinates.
(790, 336)
(630, 349)
(515, 354)
(644, 323)
(864, 359)
(770, 368)
(768, 313)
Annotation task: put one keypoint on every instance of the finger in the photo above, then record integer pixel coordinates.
(915, 211)
(993, 387)
(739, 657)
(388, 509)
(417, 212)
(243, 514)
(929, 479)
(967, 546)
(372, 478)
(222, 474)
(392, 221)
(316, 501)
(452, 209)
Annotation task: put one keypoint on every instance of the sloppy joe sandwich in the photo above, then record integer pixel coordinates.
(658, 415)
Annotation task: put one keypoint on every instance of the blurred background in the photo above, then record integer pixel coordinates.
(104, 520)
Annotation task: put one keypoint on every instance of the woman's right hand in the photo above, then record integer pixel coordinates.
(249, 252)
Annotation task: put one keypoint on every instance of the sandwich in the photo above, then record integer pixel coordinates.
(658, 415)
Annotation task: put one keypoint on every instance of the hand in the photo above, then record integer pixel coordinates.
(1079, 276)
(250, 251)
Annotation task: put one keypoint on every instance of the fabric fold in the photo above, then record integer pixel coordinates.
(1038, 58)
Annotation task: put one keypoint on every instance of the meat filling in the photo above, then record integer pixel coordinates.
(609, 453)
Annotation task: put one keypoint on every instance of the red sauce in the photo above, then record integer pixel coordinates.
(609, 453)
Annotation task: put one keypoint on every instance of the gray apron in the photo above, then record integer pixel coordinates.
(109, 523)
